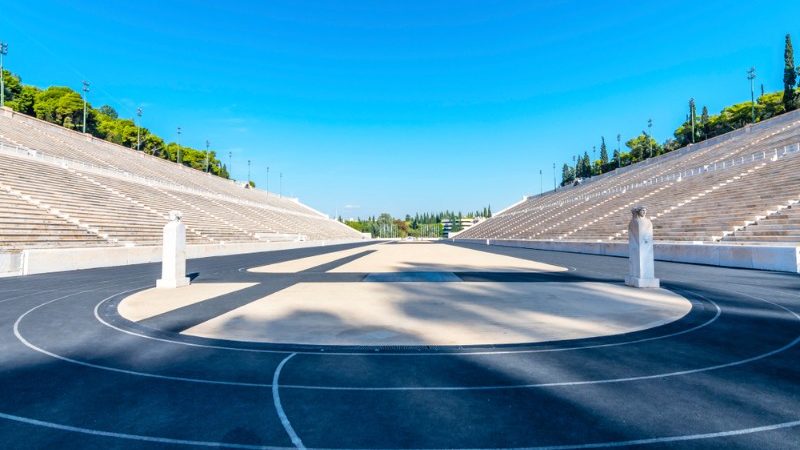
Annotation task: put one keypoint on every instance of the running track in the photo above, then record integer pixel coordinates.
(73, 374)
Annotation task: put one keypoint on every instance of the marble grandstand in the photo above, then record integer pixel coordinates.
(742, 187)
(64, 189)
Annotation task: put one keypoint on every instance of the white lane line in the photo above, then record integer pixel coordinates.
(162, 440)
(441, 388)
(451, 354)
(135, 437)
(30, 345)
(276, 399)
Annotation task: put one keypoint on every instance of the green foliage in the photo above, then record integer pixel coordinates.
(789, 76)
(12, 86)
(63, 106)
(418, 225)
(642, 147)
(603, 151)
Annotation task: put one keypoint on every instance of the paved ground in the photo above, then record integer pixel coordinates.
(410, 306)
(74, 374)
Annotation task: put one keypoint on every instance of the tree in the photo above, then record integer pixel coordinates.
(704, 122)
(567, 174)
(24, 102)
(603, 151)
(789, 76)
(641, 146)
(63, 106)
(109, 111)
(13, 85)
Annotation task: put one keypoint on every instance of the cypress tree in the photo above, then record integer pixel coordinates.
(603, 151)
(704, 122)
(789, 76)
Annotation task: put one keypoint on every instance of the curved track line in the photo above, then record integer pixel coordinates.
(162, 440)
(482, 352)
(28, 344)
(135, 437)
(412, 388)
(276, 399)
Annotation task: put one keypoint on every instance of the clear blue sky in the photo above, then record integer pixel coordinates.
(402, 106)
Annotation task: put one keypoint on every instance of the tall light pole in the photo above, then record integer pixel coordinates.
(139, 129)
(692, 116)
(267, 181)
(230, 165)
(85, 90)
(649, 137)
(541, 183)
(248, 172)
(554, 176)
(207, 144)
(751, 75)
(280, 191)
(619, 151)
(178, 158)
(3, 52)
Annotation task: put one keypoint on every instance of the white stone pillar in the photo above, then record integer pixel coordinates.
(173, 264)
(641, 261)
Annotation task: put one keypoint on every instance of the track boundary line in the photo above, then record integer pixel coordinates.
(276, 399)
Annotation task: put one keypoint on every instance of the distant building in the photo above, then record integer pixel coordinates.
(466, 223)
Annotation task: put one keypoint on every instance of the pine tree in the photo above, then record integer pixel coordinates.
(789, 76)
(603, 151)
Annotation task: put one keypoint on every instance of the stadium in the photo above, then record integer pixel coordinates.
(148, 299)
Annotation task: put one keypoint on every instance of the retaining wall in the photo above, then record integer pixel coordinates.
(32, 261)
(762, 257)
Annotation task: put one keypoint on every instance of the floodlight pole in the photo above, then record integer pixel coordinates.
(207, 144)
(554, 176)
(267, 182)
(691, 116)
(85, 94)
(751, 75)
(178, 157)
(619, 151)
(541, 183)
(139, 130)
(230, 165)
(280, 191)
(3, 52)
(649, 137)
(248, 172)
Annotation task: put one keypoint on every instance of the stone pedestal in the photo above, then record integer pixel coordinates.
(641, 262)
(173, 265)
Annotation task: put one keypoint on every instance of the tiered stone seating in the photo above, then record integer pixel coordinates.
(77, 191)
(25, 225)
(707, 192)
(781, 226)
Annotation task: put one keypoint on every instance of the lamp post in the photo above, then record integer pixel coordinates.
(230, 165)
(178, 158)
(619, 151)
(649, 138)
(267, 182)
(692, 115)
(139, 129)
(751, 75)
(3, 52)
(85, 90)
(280, 191)
(248, 172)
(207, 144)
(541, 183)
(554, 177)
